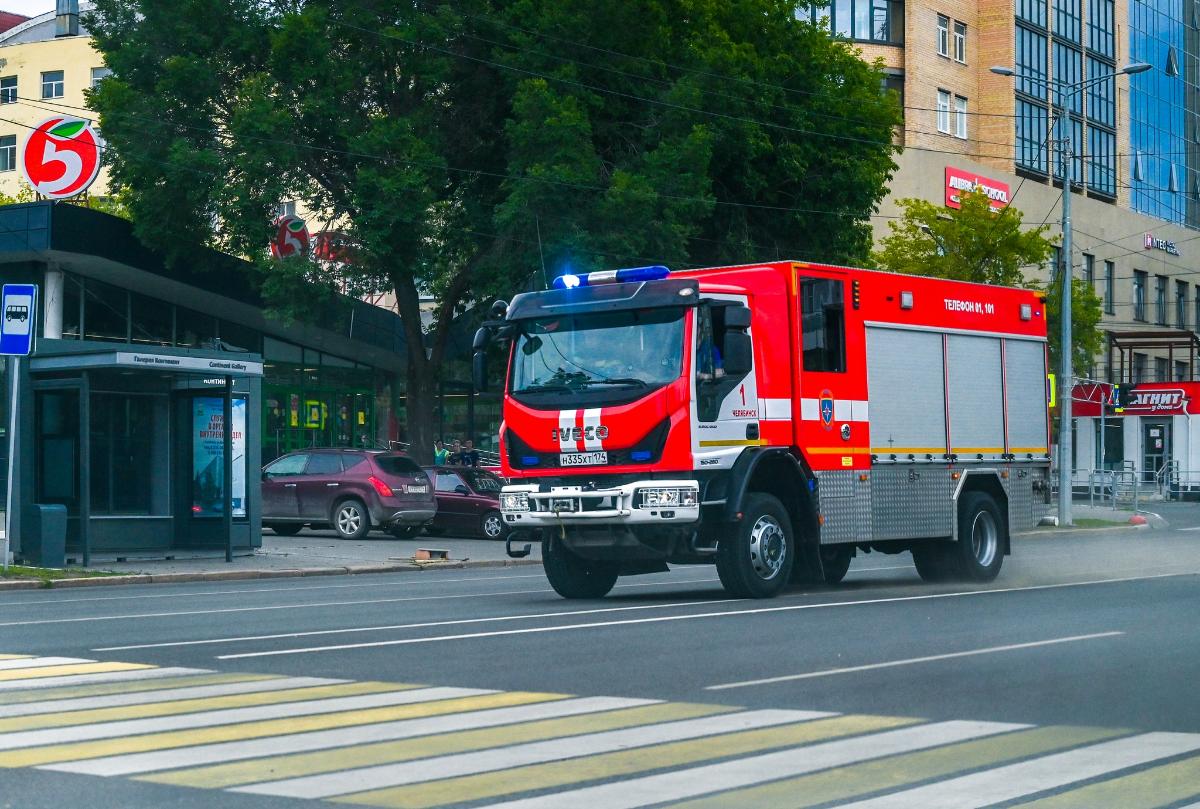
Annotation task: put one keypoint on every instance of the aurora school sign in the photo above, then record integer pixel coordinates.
(61, 157)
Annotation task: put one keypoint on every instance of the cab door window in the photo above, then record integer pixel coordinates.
(823, 325)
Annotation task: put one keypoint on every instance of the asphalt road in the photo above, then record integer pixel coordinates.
(1072, 680)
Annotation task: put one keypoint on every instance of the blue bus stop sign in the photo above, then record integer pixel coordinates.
(20, 311)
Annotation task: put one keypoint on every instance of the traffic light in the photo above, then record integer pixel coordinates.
(1122, 395)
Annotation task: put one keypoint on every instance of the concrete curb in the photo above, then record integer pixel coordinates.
(236, 575)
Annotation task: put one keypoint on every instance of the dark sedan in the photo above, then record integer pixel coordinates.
(468, 502)
(352, 490)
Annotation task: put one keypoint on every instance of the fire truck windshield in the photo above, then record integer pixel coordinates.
(613, 352)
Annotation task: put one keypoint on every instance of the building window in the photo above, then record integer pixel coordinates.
(865, 20)
(1181, 289)
(1031, 62)
(1196, 308)
(960, 117)
(52, 84)
(1139, 368)
(1102, 162)
(1139, 295)
(287, 208)
(943, 35)
(1066, 19)
(1032, 121)
(1033, 11)
(1100, 27)
(1160, 300)
(894, 82)
(1181, 371)
(1110, 277)
(1055, 262)
(8, 90)
(943, 111)
(960, 42)
(1160, 369)
(99, 74)
(8, 153)
(1089, 270)
(1068, 68)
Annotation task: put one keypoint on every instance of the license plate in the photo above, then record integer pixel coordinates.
(582, 458)
(416, 489)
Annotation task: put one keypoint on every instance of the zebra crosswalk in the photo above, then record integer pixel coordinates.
(366, 743)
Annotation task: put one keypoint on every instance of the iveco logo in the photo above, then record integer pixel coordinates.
(589, 433)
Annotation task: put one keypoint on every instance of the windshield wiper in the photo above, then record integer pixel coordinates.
(619, 380)
(548, 386)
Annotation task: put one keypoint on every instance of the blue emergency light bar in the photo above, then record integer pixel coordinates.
(653, 273)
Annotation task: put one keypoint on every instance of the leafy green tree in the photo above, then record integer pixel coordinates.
(474, 150)
(970, 243)
(974, 243)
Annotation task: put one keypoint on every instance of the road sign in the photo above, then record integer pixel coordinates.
(20, 311)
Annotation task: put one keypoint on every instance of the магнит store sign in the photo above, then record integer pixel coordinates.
(961, 182)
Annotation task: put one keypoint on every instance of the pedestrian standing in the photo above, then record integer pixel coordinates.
(440, 454)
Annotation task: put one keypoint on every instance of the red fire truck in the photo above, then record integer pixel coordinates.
(773, 419)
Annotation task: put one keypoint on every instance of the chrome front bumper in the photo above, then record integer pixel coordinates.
(572, 505)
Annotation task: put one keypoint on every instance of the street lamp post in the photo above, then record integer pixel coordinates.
(1063, 92)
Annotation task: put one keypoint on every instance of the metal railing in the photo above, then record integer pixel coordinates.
(1114, 486)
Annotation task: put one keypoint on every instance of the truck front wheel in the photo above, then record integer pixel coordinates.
(572, 576)
(756, 561)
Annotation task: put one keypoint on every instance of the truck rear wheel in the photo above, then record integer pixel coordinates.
(981, 531)
(933, 560)
(756, 562)
(572, 576)
(835, 561)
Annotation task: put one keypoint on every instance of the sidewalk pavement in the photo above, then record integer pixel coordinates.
(309, 553)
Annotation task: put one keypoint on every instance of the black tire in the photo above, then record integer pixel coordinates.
(433, 532)
(491, 525)
(933, 561)
(350, 519)
(835, 561)
(284, 529)
(756, 561)
(574, 577)
(982, 532)
(405, 531)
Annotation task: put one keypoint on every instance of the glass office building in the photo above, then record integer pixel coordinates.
(1164, 127)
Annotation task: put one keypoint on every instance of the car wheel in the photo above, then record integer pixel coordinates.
(405, 531)
(572, 576)
(757, 560)
(351, 520)
(284, 529)
(491, 525)
(981, 532)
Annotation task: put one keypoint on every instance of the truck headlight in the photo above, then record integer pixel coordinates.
(668, 498)
(516, 501)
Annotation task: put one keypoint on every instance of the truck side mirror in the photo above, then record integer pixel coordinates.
(739, 356)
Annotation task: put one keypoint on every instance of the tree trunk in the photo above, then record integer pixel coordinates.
(421, 398)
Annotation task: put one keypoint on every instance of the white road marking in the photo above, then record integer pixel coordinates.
(40, 662)
(1003, 784)
(99, 677)
(424, 625)
(205, 719)
(312, 605)
(166, 695)
(1193, 528)
(750, 770)
(692, 617)
(342, 737)
(519, 755)
(909, 661)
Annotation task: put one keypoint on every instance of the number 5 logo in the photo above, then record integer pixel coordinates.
(62, 157)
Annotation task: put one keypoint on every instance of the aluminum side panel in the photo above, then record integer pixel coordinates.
(911, 502)
(1025, 373)
(976, 397)
(907, 391)
(846, 505)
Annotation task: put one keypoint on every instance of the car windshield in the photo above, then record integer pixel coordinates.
(633, 350)
(485, 482)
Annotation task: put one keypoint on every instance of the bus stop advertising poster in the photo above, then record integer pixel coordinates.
(208, 436)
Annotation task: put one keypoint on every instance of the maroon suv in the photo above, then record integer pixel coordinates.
(351, 489)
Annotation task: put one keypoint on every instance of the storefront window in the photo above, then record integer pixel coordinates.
(4, 450)
(105, 312)
(152, 321)
(129, 468)
(237, 337)
(194, 330)
(1114, 444)
(72, 311)
(57, 446)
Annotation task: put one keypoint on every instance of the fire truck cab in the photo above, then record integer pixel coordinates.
(773, 419)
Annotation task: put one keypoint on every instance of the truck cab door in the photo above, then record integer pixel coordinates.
(724, 399)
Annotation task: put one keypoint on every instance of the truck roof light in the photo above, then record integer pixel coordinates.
(652, 273)
(906, 300)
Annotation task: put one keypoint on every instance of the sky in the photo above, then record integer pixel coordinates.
(29, 8)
